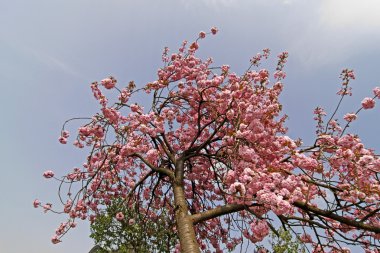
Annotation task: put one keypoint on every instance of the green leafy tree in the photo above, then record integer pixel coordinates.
(283, 242)
(123, 229)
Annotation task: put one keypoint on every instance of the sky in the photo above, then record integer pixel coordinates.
(51, 50)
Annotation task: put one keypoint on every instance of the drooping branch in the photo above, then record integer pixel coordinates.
(341, 219)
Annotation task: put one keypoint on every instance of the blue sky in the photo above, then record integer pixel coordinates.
(51, 50)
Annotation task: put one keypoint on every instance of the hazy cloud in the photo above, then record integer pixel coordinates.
(353, 14)
(49, 60)
(336, 31)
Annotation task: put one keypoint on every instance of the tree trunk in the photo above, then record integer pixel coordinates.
(185, 226)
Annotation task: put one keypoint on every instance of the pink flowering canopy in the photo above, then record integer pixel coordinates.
(211, 151)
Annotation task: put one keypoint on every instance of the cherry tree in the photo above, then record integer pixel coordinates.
(211, 152)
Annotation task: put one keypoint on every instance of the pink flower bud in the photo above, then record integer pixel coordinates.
(55, 240)
(214, 30)
(65, 134)
(134, 108)
(131, 222)
(36, 203)
(47, 207)
(48, 174)
(194, 46)
(119, 216)
(376, 91)
(350, 117)
(62, 140)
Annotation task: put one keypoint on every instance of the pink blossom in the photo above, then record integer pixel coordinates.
(202, 35)
(238, 187)
(225, 68)
(48, 174)
(47, 207)
(368, 103)
(305, 162)
(146, 193)
(214, 30)
(67, 207)
(320, 111)
(279, 75)
(194, 46)
(376, 91)
(152, 155)
(78, 144)
(256, 59)
(347, 74)
(85, 131)
(61, 229)
(62, 140)
(124, 96)
(350, 117)
(230, 176)
(65, 134)
(306, 238)
(55, 239)
(111, 114)
(135, 108)
(36, 203)
(80, 205)
(131, 222)
(119, 216)
(366, 159)
(264, 74)
(318, 249)
(266, 52)
(131, 184)
(108, 83)
(98, 131)
(260, 230)
(283, 207)
(347, 141)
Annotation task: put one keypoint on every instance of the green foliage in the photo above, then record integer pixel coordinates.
(135, 233)
(284, 243)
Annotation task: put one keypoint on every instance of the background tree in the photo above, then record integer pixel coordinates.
(212, 151)
(283, 242)
(124, 229)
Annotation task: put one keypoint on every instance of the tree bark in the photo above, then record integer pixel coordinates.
(184, 222)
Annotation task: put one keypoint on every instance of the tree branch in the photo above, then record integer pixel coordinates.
(341, 219)
(215, 212)
(161, 170)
